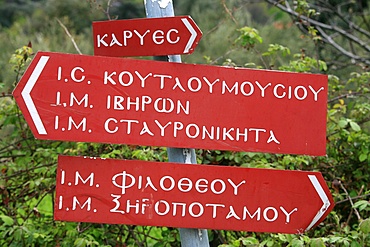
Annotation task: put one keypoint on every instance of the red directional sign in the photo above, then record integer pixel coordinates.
(146, 37)
(114, 100)
(189, 196)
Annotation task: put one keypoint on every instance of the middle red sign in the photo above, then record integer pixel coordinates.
(114, 100)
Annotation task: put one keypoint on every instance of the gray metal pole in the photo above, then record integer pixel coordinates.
(189, 237)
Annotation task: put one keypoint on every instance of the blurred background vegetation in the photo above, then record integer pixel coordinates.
(318, 36)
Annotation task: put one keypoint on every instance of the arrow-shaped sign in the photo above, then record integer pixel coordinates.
(146, 37)
(203, 196)
(114, 100)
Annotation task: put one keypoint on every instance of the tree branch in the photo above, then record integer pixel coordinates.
(344, 96)
(327, 38)
(350, 200)
(70, 36)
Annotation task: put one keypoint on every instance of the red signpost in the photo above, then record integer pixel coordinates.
(114, 100)
(147, 36)
(210, 197)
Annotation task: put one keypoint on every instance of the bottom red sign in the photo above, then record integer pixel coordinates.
(189, 196)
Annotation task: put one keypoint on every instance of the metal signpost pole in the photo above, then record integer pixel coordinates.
(189, 237)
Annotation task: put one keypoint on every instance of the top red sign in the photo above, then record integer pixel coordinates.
(146, 37)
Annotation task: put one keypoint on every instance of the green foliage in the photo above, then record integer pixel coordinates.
(242, 241)
(274, 49)
(365, 226)
(248, 38)
(20, 58)
(74, 10)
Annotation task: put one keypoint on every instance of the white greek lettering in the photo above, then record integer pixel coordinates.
(275, 214)
(129, 206)
(287, 220)
(187, 130)
(190, 83)
(315, 92)
(162, 77)
(251, 88)
(164, 100)
(272, 138)
(106, 126)
(141, 37)
(201, 209)
(162, 181)
(123, 184)
(263, 88)
(230, 90)
(296, 94)
(146, 129)
(213, 184)
(235, 186)
(214, 208)
(178, 84)
(257, 213)
(177, 126)
(257, 133)
(129, 122)
(100, 40)
(232, 213)
(109, 78)
(226, 134)
(115, 200)
(210, 85)
(114, 41)
(126, 35)
(142, 79)
(201, 188)
(166, 210)
(185, 182)
(161, 126)
(183, 210)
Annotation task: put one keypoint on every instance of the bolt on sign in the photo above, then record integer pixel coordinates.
(114, 100)
(205, 197)
(146, 37)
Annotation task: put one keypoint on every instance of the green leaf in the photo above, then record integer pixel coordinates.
(158, 244)
(270, 243)
(355, 126)
(249, 241)
(362, 157)
(361, 204)
(323, 66)
(342, 123)
(297, 243)
(365, 226)
(80, 242)
(355, 244)
(317, 242)
(248, 37)
(8, 221)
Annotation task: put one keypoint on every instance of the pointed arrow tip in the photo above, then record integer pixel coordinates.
(324, 198)
(26, 94)
(193, 36)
